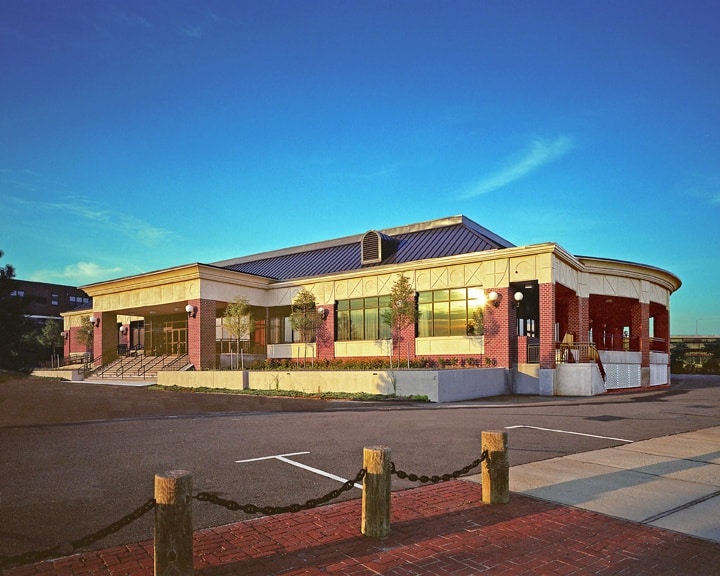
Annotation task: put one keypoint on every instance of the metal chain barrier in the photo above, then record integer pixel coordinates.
(66, 549)
(445, 477)
(270, 510)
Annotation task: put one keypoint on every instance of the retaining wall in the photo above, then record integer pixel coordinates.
(437, 385)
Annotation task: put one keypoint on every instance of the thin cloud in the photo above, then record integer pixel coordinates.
(541, 153)
(77, 274)
(92, 213)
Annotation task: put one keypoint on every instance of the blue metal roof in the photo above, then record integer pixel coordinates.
(434, 239)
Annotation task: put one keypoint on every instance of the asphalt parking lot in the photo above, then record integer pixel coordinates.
(75, 455)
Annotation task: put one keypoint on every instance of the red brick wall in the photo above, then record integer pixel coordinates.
(201, 334)
(325, 335)
(500, 328)
(547, 325)
(640, 327)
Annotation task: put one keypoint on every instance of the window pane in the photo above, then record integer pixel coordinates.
(425, 321)
(458, 318)
(441, 318)
(371, 302)
(384, 301)
(356, 304)
(343, 305)
(458, 294)
(371, 324)
(343, 325)
(422, 297)
(356, 325)
(441, 295)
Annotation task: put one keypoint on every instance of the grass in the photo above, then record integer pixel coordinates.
(356, 396)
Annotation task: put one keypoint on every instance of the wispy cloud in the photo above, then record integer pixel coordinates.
(77, 274)
(540, 153)
(94, 214)
(706, 188)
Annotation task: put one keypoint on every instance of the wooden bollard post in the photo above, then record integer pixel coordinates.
(173, 524)
(496, 471)
(376, 492)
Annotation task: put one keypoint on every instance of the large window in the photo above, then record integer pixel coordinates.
(449, 312)
(362, 319)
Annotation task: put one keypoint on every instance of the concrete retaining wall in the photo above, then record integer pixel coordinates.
(74, 375)
(437, 385)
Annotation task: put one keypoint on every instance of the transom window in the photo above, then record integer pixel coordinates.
(449, 312)
(362, 319)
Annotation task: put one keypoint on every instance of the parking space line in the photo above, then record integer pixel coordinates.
(284, 458)
(569, 432)
(270, 457)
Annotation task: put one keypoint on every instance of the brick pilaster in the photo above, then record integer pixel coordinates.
(325, 335)
(201, 334)
(547, 325)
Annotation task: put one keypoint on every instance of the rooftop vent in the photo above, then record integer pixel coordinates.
(375, 247)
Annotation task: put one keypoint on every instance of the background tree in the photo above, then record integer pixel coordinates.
(17, 332)
(84, 335)
(304, 316)
(238, 320)
(51, 337)
(402, 312)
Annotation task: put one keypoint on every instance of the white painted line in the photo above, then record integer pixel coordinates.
(321, 472)
(270, 457)
(574, 433)
(283, 458)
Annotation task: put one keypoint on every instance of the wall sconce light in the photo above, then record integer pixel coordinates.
(65, 335)
(191, 310)
(517, 297)
(323, 313)
(95, 321)
(494, 298)
(123, 330)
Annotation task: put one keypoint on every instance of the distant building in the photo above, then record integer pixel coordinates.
(558, 324)
(695, 353)
(44, 301)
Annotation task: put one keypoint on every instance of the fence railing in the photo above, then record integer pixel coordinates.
(172, 503)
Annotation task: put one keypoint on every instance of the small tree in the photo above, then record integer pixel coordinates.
(51, 337)
(477, 328)
(84, 335)
(238, 320)
(304, 316)
(402, 312)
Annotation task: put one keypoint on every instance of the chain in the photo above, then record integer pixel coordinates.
(63, 550)
(445, 477)
(271, 510)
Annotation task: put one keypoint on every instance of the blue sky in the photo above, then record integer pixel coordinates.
(139, 135)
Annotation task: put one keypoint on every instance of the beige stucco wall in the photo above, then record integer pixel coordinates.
(438, 386)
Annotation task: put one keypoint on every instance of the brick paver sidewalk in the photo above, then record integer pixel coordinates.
(440, 529)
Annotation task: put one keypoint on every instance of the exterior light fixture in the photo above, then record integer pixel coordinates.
(494, 298)
(95, 321)
(65, 334)
(191, 310)
(123, 329)
(323, 313)
(517, 297)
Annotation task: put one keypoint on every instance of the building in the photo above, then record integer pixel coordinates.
(554, 322)
(43, 301)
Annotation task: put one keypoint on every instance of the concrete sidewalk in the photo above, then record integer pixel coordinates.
(669, 482)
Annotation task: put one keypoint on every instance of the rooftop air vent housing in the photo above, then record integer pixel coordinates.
(375, 247)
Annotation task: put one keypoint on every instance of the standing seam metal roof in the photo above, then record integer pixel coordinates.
(461, 237)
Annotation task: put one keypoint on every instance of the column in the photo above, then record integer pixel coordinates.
(325, 335)
(105, 336)
(547, 325)
(498, 329)
(201, 334)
